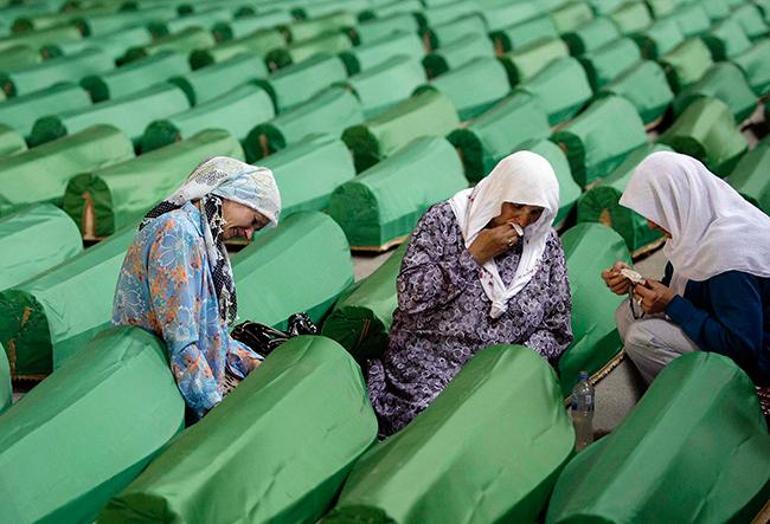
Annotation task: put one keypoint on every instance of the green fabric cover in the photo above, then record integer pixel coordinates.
(488, 449)
(548, 86)
(303, 265)
(211, 82)
(11, 141)
(286, 436)
(235, 111)
(750, 177)
(331, 43)
(331, 111)
(299, 83)
(18, 57)
(645, 86)
(382, 205)
(598, 140)
(523, 34)
(38, 39)
(589, 249)
(450, 31)
(362, 318)
(716, 9)
(6, 389)
(750, 18)
(661, 8)
(495, 134)
(632, 17)
(428, 113)
(474, 87)
(114, 44)
(375, 29)
(308, 172)
(385, 85)
(110, 23)
(61, 69)
(706, 130)
(129, 113)
(571, 16)
(692, 19)
(755, 64)
(258, 43)
(41, 174)
(449, 12)
(86, 432)
(313, 27)
(507, 14)
(21, 112)
(55, 239)
(727, 40)
(47, 319)
(387, 8)
(695, 449)
(524, 63)
(245, 26)
(601, 203)
(660, 38)
(134, 77)
(122, 193)
(724, 81)
(610, 61)
(199, 20)
(455, 54)
(369, 55)
(184, 42)
(592, 36)
(569, 190)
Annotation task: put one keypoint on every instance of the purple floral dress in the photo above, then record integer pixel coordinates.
(442, 318)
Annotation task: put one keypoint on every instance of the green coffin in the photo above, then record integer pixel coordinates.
(755, 64)
(11, 141)
(382, 9)
(296, 52)
(474, 87)
(447, 12)
(38, 39)
(299, 83)
(495, 134)
(645, 86)
(373, 53)
(606, 64)
(592, 36)
(525, 33)
(330, 111)
(383, 86)
(548, 86)
(375, 29)
(62, 69)
(114, 44)
(98, 25)
(706, 130)
(56, 239)
(217, 79)
(727, 40)
(41, 174)
(18, 57)
(21, 112)
(6, 389)
(723, 81)
(308, 172)
(716, 9)
(361, 319)
(686, 64)
(632, 17)
(457, 53)
(695, 449)
(130, 114)
(507, 14)
(87, 431)
(659, 39)
(183, 42)
(306, 29)
(589, 250)
(382, 205)
(600, 204)
(47, 319)
(692, 19)
(247, 25)
(598, 140)
(750, 177)
(258, 43)
(428, 113)
(489, 449)
(203, 19)
(571, 16)
(134, 77)
(315, 10)
(102, 201)
(236, 111)
(524, 63)
(441, 34)
(275, 450)
(750, 18)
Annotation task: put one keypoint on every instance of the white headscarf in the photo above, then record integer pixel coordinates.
(522, 178)
(713, 228)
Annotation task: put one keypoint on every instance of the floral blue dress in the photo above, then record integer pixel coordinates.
(165, 286)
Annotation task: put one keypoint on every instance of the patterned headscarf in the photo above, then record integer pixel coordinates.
(212, 181)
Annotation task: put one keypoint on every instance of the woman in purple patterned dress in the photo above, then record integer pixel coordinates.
(469, 280)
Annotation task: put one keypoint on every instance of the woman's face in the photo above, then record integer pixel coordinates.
(655, 227)
(241, 221)
(522, 214)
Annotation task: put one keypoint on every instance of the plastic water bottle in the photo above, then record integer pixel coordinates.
(583, 399)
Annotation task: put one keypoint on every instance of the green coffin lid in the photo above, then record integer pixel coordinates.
(524, 63)
(114, 44)
(609, 62)
(660, 38)
(385, 85)
(258, 43)
(726, 82)
(447, 12)
(21, 112)
(750, 18)
(11, 141)
(210, 82)
(297, 52)
(369, 55)
(184, 42)
(375, 29)
(456, 54)
(18, 57)
(571, 16)
(548, 86)
(38, 39)
(525, 33)
(311, 28)
(727, 40)
(508, 14)
(692, 19)
(592, 36)
(442, 34)
(98, 25)
(632, 17)
(750, 178)
(755, 64)
(247, 25)
(299, 83)
(645, 86)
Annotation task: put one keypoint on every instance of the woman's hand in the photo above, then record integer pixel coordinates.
(617, 283)
(493, 242)
(655, 296)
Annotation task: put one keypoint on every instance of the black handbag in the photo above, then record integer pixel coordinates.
(264, 339)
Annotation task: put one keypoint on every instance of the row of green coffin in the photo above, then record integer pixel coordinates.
(48, 318)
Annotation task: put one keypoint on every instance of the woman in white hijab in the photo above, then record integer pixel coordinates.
(176, 280)
(715, 295)
(483, 268)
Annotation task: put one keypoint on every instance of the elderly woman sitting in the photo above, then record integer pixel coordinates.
(176, 280)
(484, 268)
